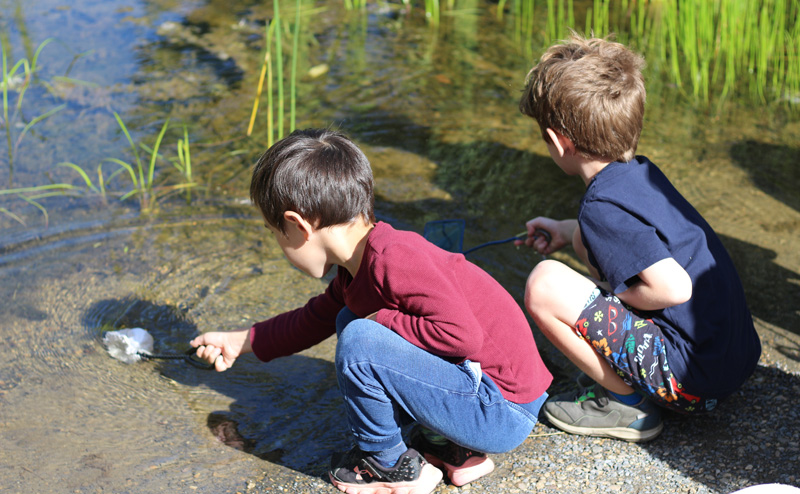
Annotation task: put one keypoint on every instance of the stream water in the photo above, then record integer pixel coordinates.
(436, 114)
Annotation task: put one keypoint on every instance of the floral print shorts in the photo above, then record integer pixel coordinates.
(634, 347)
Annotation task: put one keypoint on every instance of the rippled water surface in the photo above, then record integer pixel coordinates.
(437, 116)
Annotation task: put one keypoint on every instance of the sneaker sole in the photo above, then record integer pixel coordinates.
(624, 433)
(429, 478)
(472, 469)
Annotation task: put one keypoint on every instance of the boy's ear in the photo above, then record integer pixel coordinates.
(562, 143)
(294, 220)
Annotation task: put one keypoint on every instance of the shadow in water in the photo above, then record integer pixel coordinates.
(773, 292)
(287, 411)
(772, 168)
(487, 180)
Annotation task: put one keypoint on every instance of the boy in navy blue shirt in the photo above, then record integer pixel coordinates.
(664, 320)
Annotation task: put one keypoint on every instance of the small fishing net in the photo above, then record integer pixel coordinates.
(446, 234)
(128, 345)
(136, 344)
(449, 235)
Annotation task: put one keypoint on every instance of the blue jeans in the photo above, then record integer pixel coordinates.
(387, 382)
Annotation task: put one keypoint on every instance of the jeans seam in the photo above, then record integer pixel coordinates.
(473, 392)
(519, 409)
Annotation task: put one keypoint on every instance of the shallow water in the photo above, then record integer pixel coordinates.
(437, 118)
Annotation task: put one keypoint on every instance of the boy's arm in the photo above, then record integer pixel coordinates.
(284, 334)
(661, 285)
(583, 254)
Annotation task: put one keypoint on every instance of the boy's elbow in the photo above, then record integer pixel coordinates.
(683, 296)
(668, 283)
(681, 290)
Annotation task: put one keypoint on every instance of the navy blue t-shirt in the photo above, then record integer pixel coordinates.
(632, 217)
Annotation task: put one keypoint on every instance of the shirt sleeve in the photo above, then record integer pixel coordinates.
(296, 330)
(426, 302)
(620, 244)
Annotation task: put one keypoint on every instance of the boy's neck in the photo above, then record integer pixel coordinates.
(346, 244)
(569, 159)
(590, 168)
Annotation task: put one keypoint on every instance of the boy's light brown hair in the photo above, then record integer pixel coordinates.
(591, 91)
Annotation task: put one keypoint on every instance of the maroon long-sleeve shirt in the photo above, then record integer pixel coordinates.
(435, 299)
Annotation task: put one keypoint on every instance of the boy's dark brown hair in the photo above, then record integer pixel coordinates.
(591, 91)
(319, 174)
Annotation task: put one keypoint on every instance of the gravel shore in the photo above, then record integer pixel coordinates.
(752, 438)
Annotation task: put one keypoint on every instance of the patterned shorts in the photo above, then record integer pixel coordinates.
(634, 347)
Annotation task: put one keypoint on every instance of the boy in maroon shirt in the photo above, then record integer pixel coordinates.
(424, 336)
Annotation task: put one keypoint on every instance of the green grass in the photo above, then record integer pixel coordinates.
(712, 50)
(142, 172)
(18, 79)
(32, 196)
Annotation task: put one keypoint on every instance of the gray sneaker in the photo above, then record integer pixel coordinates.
(592, 411)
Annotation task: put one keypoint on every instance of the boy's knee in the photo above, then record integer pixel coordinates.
(345, 317)
(359, 340)
(540, 287)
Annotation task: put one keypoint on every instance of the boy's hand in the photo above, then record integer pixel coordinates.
(560, 234)
(222, 348)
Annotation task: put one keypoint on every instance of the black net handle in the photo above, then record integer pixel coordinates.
(189, 356)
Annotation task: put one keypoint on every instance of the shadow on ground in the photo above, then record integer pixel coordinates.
(753, 435)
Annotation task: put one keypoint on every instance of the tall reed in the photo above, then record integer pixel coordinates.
(293, 76)
(274, 31)
(708, 49)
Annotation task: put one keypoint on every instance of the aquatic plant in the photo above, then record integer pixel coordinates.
(274, 30)
(32, 196)
(183, 163)
(712, 48)
(19, 83)
(709, 50)
(101, 181)
(18, 79)
(293, 76)
(143, 175)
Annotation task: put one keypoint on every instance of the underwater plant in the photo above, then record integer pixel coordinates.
(142, 174)
(32, 196)
(19, 82)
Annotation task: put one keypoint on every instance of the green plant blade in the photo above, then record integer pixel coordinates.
(81, 172)
(154, 155)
